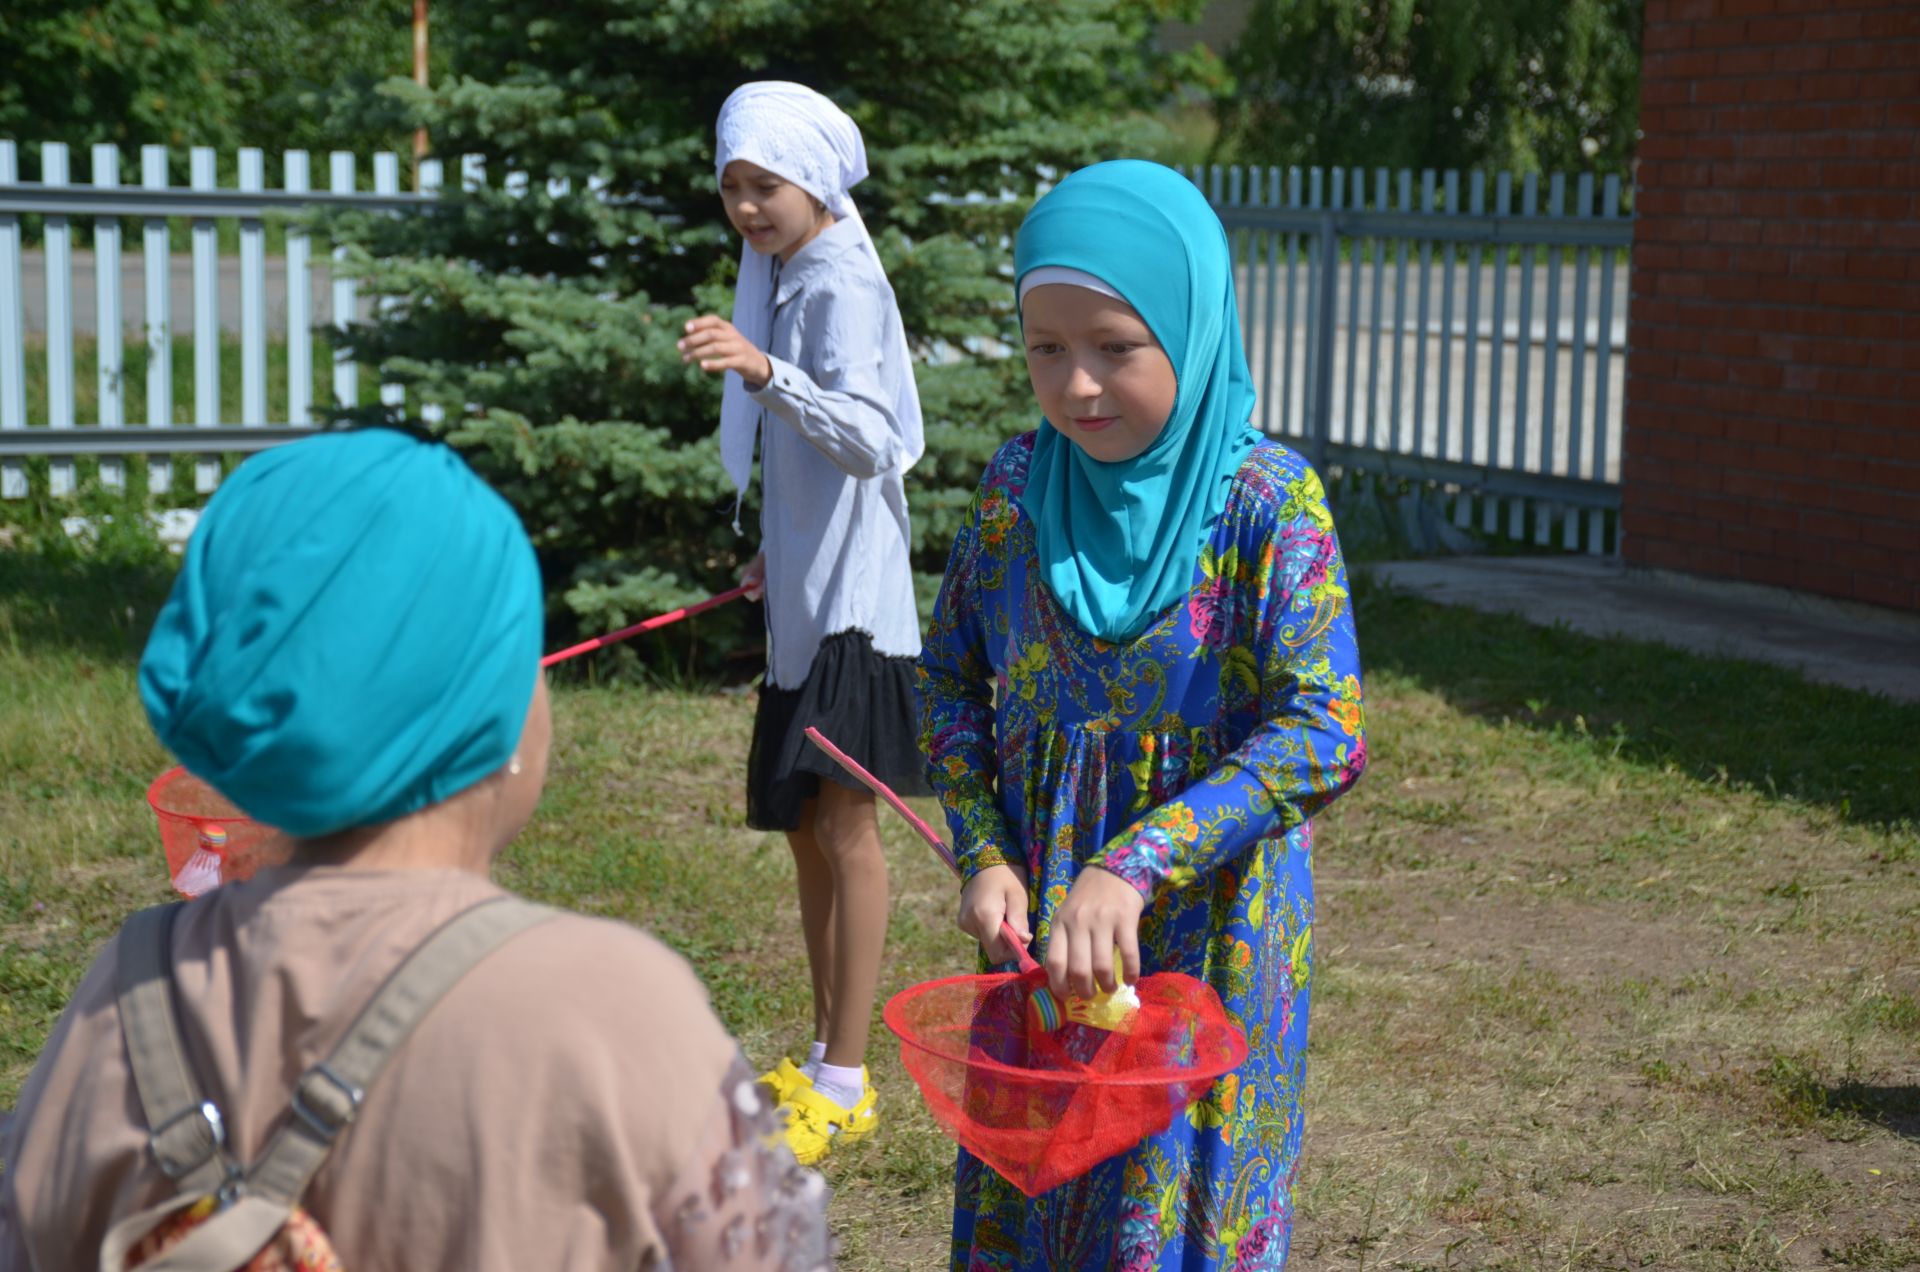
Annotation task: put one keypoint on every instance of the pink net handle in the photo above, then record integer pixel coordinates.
(914, 820)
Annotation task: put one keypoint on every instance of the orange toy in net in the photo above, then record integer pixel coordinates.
(207, 840)
(1042, 1107)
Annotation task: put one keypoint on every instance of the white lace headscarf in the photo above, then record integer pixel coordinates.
(796, 133)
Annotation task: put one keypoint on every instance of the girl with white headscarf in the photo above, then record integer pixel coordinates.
(818, 372)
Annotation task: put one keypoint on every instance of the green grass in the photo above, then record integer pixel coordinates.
(1618, 948)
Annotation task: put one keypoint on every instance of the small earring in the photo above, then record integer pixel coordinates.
(513, 766)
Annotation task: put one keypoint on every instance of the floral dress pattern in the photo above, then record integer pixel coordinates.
(1188, 761)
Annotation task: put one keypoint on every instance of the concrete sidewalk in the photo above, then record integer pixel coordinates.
(1836, 642)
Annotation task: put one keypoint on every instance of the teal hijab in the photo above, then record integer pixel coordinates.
(354, 634)
(1118, 542)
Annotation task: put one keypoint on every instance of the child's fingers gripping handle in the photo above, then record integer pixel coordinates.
(1019, 946)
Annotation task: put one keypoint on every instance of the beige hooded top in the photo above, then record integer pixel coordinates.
(571, 1104)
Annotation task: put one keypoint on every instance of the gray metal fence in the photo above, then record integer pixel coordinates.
(113, 204)
(1393, 327)
(1441, 340)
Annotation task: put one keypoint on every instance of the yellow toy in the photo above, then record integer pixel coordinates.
(1105, 1010)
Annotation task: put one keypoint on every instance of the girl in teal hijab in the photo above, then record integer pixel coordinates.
(1118, 538)
(1140, 684)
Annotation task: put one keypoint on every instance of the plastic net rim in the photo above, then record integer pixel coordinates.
(158, 787)
(1234, 1046)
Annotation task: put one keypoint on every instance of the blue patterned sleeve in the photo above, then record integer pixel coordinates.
(956, 687)
(1311, 744)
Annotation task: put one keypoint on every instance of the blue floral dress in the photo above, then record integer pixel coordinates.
(1187, 760)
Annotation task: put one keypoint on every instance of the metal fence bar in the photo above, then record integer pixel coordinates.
(253, 298)
(1376, 256)
(215, 439)
(1445, 444)
(1316, 328)
(432, 173)
(1577, 377)
(297, 177)
(206, 318)
(386, 180)
(1327, 298)
(1270, 250)
(1454, 228)
(1289, 413)
(59, 283)
(1550, 369)
(1394, 439)
(346, 373)
(1355, 192)
(1528, 444)
(1419, 446)
(154, 254)
(1248, 189)
(13, 332)
(219, 204)
(109, 358)
(1475, 432)
(1502, 444)
(1603, 436)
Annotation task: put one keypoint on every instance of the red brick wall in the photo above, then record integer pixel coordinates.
(1773, 385)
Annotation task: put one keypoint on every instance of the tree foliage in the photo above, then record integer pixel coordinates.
(127, 71)
(539, 308)
(219, 73)
(1436, 83)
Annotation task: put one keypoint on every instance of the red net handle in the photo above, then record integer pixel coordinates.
(671, 616)
(914, 819)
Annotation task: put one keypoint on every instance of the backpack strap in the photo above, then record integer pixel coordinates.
(326, 1098)
(187, 1134)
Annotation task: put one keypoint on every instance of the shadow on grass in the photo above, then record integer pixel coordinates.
(1895, 1107)
(56, 599)
(1716, 719)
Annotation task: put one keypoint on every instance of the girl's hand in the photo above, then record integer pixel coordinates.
(754, 575)
(996, 893)
(1100, 914)
(719, 346)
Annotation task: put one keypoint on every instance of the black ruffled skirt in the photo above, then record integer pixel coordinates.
(864, 702)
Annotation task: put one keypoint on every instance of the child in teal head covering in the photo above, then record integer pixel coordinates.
(354, 634)
(1140, 683)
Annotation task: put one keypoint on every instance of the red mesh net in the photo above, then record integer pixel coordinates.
(207, 840)
(1043, 1106)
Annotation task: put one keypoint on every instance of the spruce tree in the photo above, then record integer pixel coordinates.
(539, 308)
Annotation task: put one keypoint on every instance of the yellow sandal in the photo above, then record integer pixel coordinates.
(815, 1123)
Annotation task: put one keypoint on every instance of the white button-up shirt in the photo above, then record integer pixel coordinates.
(833, 520)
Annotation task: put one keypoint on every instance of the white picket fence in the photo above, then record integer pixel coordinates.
(112, 201)
(1437, 339)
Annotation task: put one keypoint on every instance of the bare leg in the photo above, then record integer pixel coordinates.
(848, 835)
(816, 914)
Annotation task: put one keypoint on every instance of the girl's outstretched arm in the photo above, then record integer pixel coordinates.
(1311, 745)
(844, 410)
(956, 703)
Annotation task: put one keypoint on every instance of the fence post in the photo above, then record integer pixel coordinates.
(297, 179)
(13, 328)
(206, 316)
(1326, 308)
(346, 373)
(110, 358)
(253, 296)
(62, 474)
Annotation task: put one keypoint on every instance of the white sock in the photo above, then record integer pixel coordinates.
(842, 1084)
(815, 1054)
